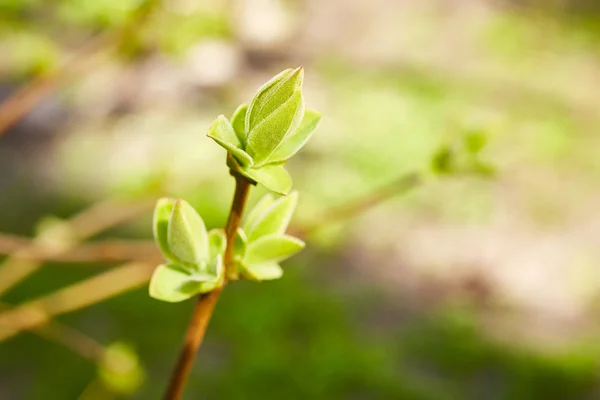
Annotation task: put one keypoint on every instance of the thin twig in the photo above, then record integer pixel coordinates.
(206, 302)
(398, 186)
(72, 339)
(92, 252)
(73, 297)
(93, 220)
(27, 97)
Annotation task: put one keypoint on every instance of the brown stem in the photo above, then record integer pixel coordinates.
(206, 302)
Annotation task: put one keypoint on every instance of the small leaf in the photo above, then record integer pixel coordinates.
(475, 141)
(294, 142)
(272, 94)
(238, 121)
(273, 176)
(217, 241)
(266, 136)
(272, 248)
(258, 209)
(275, 219)
(222, 132)
(211, 273)
(443, 161)
(162, 214)
(187, 236)
(168, 283)
(239, 246)
(263, 272)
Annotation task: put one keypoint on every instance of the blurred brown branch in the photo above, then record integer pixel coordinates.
(74, 297)
(29, 95)
(68, 337)
(353, 208)
(89, 222)
(102, 251)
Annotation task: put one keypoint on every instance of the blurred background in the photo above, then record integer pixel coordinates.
(414, 285)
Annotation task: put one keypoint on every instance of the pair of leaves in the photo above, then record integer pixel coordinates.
(264, 134)
(194, 256)
(262, 243)
(463, 156)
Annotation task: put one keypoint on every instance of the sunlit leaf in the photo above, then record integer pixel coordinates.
(266, 136)
(258, 209)
(275, 219)
(162, 214)
(222, 132)
(238, 121)
(272, 94)
(168, 283)
(272, 248)
(217, 241)
(297, 139)
(263, 272)
(187, 237)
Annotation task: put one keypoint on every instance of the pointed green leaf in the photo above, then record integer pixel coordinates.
(258, 209)
(266, 136)
(272, 248)
(162, 214)
(211, 273)
(274, 219)
(272, 94)
(217, 241)
(297, 139)
(168, 283)
(238, 121)
(263, 272)
(475, 141)
(187, 236)
(239, 246)
(273, 176)
(222, 132)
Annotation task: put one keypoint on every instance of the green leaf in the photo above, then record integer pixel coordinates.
(162, 214)
(273, 176)
(222, 132)
(187, 236)
(272, 248)
(272, 94)
(211, 273)
(275, 219)
(266, 136)
(258, 209)
(263, 272)
(294, 142)
(217, 241)
(475, 141)
(442, 161)
(238, 121)
(170, 282)
(239, 246)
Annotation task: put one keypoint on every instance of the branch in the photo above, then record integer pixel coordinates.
(68, 337)
(400, 185)
(74, 297)
(206, 302)
(100, 251)
(98, 217)
(27, 97)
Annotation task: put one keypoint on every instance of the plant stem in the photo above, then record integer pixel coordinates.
(207, 301)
